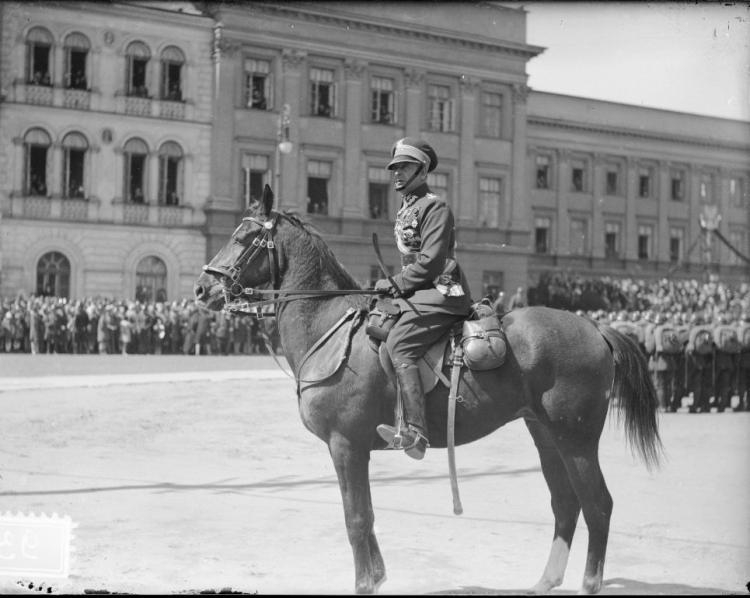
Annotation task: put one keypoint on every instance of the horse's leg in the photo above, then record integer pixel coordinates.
(582, 464)
(352, 468)
(565, 507)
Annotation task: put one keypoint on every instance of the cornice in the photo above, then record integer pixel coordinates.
(602, 130)
(352, 23)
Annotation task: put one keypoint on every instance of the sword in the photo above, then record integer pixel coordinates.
(379, 257)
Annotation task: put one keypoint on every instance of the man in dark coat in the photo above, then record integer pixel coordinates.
(430, 278)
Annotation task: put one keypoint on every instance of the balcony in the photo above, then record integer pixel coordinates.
(79, 99)
(135, 213)
(74, 209)
(137, 106)
(172, 110)
(39, 94)
(36, 207)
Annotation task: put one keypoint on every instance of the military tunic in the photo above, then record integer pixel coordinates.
(430, 277)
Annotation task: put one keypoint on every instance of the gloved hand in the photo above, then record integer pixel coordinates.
(384, 287)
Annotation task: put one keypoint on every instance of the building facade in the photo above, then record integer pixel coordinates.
(132, 140)
(105, 129)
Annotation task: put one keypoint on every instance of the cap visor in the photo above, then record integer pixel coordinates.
(398, 159)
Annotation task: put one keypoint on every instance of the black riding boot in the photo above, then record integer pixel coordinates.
(414, 437)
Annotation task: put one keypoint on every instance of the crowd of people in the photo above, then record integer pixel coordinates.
(676, 310)
(46, 324)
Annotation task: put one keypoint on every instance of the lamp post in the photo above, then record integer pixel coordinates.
(283, 145)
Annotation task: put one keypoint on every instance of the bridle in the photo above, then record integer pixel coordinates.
(248, 299)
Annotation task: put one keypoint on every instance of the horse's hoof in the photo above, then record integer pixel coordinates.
(542, 587)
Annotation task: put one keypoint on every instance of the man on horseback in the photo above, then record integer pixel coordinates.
(430, 277)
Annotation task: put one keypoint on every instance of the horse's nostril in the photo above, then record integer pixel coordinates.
(199, 291)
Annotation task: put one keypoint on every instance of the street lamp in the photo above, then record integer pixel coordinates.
(283, 145)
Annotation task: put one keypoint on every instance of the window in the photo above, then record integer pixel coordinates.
(440, 108)
(490, 202)
(645, 242)
(318, 175)
(577, 174)
(53, 275)
(135, 154)
(705, 191)
(492, 283)
(254, 177)
(36, 147)
(612, 181)
(383, 101)
(151, 280)
(492, 114)
(645, 176)
(379, 188)
(737, 192)
(677, 185)
(322, 92)
(74, 147)
(76, 56)
(676, 244)
(258, 84)
(578, 236)
(612, 239)
(172, 61)
(542, 227)
(438, 183)
(138, 56)
(542, 172)
(38, 51)
(170, 174)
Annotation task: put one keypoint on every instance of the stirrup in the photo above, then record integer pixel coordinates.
(411, 440)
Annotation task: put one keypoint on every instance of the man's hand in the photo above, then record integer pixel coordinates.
(384, 287)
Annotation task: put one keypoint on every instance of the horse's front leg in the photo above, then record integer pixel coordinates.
(352, 467)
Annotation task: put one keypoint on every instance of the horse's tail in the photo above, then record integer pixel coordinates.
(633, 394)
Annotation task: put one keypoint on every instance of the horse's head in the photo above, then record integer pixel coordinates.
(248, 260)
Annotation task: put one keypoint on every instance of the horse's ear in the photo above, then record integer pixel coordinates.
(266, 201)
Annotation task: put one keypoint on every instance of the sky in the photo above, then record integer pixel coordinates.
(689, 57)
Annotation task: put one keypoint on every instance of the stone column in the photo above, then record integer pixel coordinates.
(55, 171)
(355, 187)
(465, 205)
(560, 165)
(631, 223)
(661, 189)
(151, 184)
(520, 213)
(414, 120)
(292, 189)
(597, 223)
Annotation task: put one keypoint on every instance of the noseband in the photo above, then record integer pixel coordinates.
(229, 276)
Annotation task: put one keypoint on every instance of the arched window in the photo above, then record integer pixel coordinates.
(53, 275)
(138, 56)
(36, 145)
(38, 56)
(172, 61)
(74, 146)
(151, 280)
(135, 152)
(170, 173)
(77, 48)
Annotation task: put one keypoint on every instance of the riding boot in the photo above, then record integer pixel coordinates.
(413, 439)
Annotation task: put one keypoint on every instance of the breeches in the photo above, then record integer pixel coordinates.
(412, 335)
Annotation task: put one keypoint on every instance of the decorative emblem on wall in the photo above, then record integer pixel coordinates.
(109, 37)
(107, 135)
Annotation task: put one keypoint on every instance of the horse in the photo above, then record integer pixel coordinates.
(563, 373)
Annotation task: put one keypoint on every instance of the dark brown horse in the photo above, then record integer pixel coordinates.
(562, 374)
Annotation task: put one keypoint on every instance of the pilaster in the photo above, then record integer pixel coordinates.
(631, 222)
(521, 206)
(466, 211)
(559, 167)
(414, 81)
(354, 190)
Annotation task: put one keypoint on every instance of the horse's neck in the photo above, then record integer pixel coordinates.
(302, 322)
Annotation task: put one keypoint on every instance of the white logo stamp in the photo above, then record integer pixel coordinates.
(36, 545)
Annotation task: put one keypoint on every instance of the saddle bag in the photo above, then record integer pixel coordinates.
(483, 343)
(382, 317)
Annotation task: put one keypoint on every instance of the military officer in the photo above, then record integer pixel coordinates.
(430, 278)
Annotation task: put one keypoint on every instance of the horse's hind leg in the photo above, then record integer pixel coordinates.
(565, 507)
(582, 464)
(352, 469)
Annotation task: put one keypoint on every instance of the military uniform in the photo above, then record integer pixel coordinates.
(726, 349)
(699, 367)
(743, 366)
(660, 337)
(430, 278)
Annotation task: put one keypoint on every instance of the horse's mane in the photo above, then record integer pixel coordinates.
(320, 248)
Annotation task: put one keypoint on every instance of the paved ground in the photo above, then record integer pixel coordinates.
(188, 482)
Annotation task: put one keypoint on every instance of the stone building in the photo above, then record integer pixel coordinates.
(201, 104)
(105, 130)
